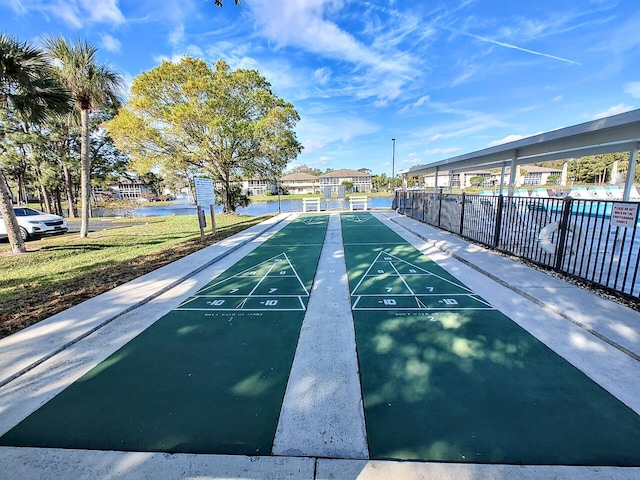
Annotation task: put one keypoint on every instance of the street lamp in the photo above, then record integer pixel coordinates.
(278, 189)
(393, 164)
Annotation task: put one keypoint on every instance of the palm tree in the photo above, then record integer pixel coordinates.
(29, 89)
(92, 86)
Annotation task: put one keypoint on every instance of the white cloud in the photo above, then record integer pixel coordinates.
(302, 24)
(315, 131)
(177, 34)
(633, 89)
(507, 139)
(175, 58)
(127, 78)
(194, 51)
(463, 123)
(101, 11)
(80, 13)
(111, 43)
(378, 70)
(17, 6)
(616, 109)
(75, 13)
(322, 75)
(557, 98)
(464, 76)
(442, 151)
(417, 104)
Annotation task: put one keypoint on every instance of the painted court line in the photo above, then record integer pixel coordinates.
(223, 298)
(322, 412)
(467, 384)
(387, 268)
(50, 464)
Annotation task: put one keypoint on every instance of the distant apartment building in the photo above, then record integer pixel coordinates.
(532, 175)
(361, 181)
(300, 183)
(256, 186)
(448, 179)
(535, 175)
(124, 188)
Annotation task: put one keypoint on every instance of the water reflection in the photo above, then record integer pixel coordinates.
(254, 208)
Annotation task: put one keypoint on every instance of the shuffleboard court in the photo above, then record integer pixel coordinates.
(446, 377)
(209, 377)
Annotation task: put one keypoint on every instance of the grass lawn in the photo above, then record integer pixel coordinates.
(62, 271)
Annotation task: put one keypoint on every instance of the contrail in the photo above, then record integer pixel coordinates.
(396, 13)
(388, 11)
(514, 47)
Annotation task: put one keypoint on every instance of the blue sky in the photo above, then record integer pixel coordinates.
(443, 77)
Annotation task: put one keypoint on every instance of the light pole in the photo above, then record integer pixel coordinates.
(278, 188)
(393, 164)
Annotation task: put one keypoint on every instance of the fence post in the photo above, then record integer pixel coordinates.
(424, 205)
(413, 204)
(462, 215)
(439, 207)
(562, 231)
(498, 226)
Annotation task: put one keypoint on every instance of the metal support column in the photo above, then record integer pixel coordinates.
(513, 174)
(631, 172)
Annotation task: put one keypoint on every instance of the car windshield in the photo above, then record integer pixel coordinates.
(26, 212)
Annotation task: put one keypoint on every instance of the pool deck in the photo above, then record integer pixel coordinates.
(598, 336)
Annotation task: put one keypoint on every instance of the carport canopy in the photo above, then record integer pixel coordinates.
(617, 133)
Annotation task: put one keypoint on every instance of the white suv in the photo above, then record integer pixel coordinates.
(33, 223)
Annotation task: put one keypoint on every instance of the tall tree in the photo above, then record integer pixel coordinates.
(92, 86)
(306, 169)
(227, 124)
(29, 89)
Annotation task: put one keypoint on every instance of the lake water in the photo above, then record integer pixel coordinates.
(254, 208)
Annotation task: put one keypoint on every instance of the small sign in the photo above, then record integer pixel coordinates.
(205, 194)
(624, 215)
(202, 219)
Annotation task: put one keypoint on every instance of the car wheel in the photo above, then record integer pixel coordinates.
(24, 234)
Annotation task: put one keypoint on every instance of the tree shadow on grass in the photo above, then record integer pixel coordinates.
(26, 304)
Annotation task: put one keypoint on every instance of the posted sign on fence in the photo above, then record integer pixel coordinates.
(624, 215)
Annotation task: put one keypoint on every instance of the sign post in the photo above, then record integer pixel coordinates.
(202, 222)
(205, 196)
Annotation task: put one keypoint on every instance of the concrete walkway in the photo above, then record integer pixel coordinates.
(320, 434)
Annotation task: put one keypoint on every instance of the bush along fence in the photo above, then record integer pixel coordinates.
(592, 240)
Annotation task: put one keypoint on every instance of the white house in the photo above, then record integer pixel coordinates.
(125, 188)
(361, 181)
(256, 186)
(457, 179)
(538, 175)
(300, 183)
(533, 176)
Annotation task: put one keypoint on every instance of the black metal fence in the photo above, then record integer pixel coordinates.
(572, 236)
